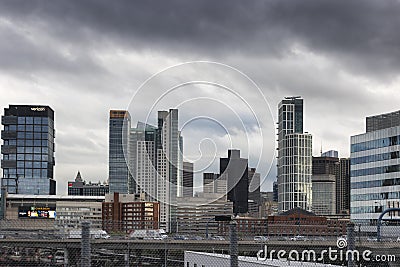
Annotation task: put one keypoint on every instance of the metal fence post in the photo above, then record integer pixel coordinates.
(233, 244)
(85, 245)
(350, 243)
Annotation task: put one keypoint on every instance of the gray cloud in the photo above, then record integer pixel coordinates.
(362, 34)
(86, 57)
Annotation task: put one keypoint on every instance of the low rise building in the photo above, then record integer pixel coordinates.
(288, 224)
(80, 188)
(70, 214)
(47, 212)
(196, 214)
(122, 213)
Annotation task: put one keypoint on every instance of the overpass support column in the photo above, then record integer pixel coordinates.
(85, 245)
(350, 243)
(234, 244)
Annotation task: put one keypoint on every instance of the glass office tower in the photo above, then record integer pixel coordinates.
(375, 169)
(28, 150)
(119, 177)
(294, 157)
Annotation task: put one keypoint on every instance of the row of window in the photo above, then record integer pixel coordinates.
(375, 170)
(368, 209)
(375, 196)
(35, 157)
(34, 120)
(29, 150)
(30, 136)
(375, 158)
(21, 129)
(26, 173)
(375, 183)
(32, 164)
(378, 143)
(36, 142)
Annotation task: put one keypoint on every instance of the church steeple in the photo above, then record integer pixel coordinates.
(78, 177)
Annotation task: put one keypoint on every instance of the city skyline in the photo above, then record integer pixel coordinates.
(331, 60)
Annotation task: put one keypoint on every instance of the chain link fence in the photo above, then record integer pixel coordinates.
(53, 247)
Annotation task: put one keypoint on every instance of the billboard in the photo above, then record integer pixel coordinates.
(37, 212)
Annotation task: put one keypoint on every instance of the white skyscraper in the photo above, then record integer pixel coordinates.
(143, 159)
(169, 167)
(294, 157)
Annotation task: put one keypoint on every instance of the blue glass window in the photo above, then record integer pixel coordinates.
(29, 120)
(21, 120)
(37, 120)
(36, 164)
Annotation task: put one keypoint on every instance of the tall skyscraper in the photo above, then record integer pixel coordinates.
(294, 157)
(169, 167)
(324, 173)
(235, 169)
(375, 169)
(28, 150)
(143, 160)
(120, 179)
(343, 187)
(187, 179)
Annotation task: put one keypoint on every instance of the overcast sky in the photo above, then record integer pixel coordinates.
(84, 58)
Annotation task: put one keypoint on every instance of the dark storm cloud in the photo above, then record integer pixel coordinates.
(363, 34)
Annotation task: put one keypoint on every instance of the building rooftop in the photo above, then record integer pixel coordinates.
(54, 197)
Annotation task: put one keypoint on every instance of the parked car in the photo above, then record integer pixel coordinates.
(217, 237)
(299, 238)
(196, 238)
(398, 239)
(260, 238)
(180, 237)
(320, 238)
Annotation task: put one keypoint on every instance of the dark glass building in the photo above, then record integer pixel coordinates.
(28, 150)
(187, 179)
(343, 187)
(118, 171)
(236, 171)
(80, 188)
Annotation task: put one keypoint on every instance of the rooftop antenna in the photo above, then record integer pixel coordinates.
(321, 148)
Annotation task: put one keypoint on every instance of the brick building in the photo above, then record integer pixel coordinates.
(290, 223)
(123, 213)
